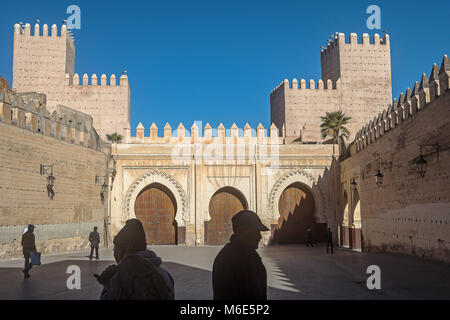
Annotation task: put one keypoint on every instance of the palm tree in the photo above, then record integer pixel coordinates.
(114, 137)
(333, 125)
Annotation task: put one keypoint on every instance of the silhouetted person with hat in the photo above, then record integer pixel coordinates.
(238, 272)
(138, 274)
(29, 245)
(329, 240)
(94, 239)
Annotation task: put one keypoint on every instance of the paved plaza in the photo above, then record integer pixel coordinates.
(294, 272)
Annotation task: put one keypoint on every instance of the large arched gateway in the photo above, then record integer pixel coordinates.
(155, 207)
(224, 204)
(296, 208)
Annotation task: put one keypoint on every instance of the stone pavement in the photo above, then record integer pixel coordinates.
(294, 272)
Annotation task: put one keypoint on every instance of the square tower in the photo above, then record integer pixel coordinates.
(356, 78)
(46, 63)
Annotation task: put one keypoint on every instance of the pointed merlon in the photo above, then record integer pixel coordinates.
(45, 30)
(140, 126)
(194, 126)
(36, 30)
(401, 99)
(54, 31)
(103, 80)
(247, 126)
(434, 75)
(423, 82)
(153, 126)
(85, 80)
(27, 29)
(260, 126)
(445, 65)
(112, 81)
(415, 89)
(208, 126)
(167, 126)
(94, 80)
(221, 126)
(234, 126)
(180, 126)
(408, 94)
(76, 79)
(365, 38)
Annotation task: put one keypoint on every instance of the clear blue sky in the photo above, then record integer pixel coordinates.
(218, 61)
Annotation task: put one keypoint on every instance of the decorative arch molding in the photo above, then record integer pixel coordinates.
(230, 189)
(293, 176)
(151, 177)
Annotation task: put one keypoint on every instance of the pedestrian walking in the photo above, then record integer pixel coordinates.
(309, 238)
(94, 239)
(28, 246)
(329, 240)
(138, 274)
(238, 272)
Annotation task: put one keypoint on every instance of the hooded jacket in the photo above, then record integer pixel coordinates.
(139, 276)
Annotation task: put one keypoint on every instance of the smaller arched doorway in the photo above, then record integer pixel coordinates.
(345, 230)
(224, 204)
(356, 223)
(296, 208)
(155, 207)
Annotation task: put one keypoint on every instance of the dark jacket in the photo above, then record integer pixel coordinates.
(94, 239)
(238, 273)
(28, 242)
(329, 236)
(139, 276)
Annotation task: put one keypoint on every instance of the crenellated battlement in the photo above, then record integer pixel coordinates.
(26, 111)
(36, 32)
(340, 39)
(93, 81)
(407, 105)
(311, 84)
(206, 135)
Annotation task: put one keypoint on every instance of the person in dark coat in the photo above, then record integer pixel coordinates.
(94, 239)
(238, 272)
(329, 240)
(309, 237)
(29, 245)
(138, 274)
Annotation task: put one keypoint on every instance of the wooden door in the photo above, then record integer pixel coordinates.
(155, 209)
(222, 207)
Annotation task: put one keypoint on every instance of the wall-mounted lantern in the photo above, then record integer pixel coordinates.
(101, 180)
(421, 162)
(379, 178)
(421, 165)
(48, 171)
(353, 184)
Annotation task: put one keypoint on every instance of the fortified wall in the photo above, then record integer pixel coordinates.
(44, 62)
(31, 137)
(356, 78)
(408, 210)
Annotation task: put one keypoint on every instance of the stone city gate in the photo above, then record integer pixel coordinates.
(186, 189)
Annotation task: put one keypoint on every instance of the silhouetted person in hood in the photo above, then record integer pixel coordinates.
(238, 272)
(138, 274)
(29, 245)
